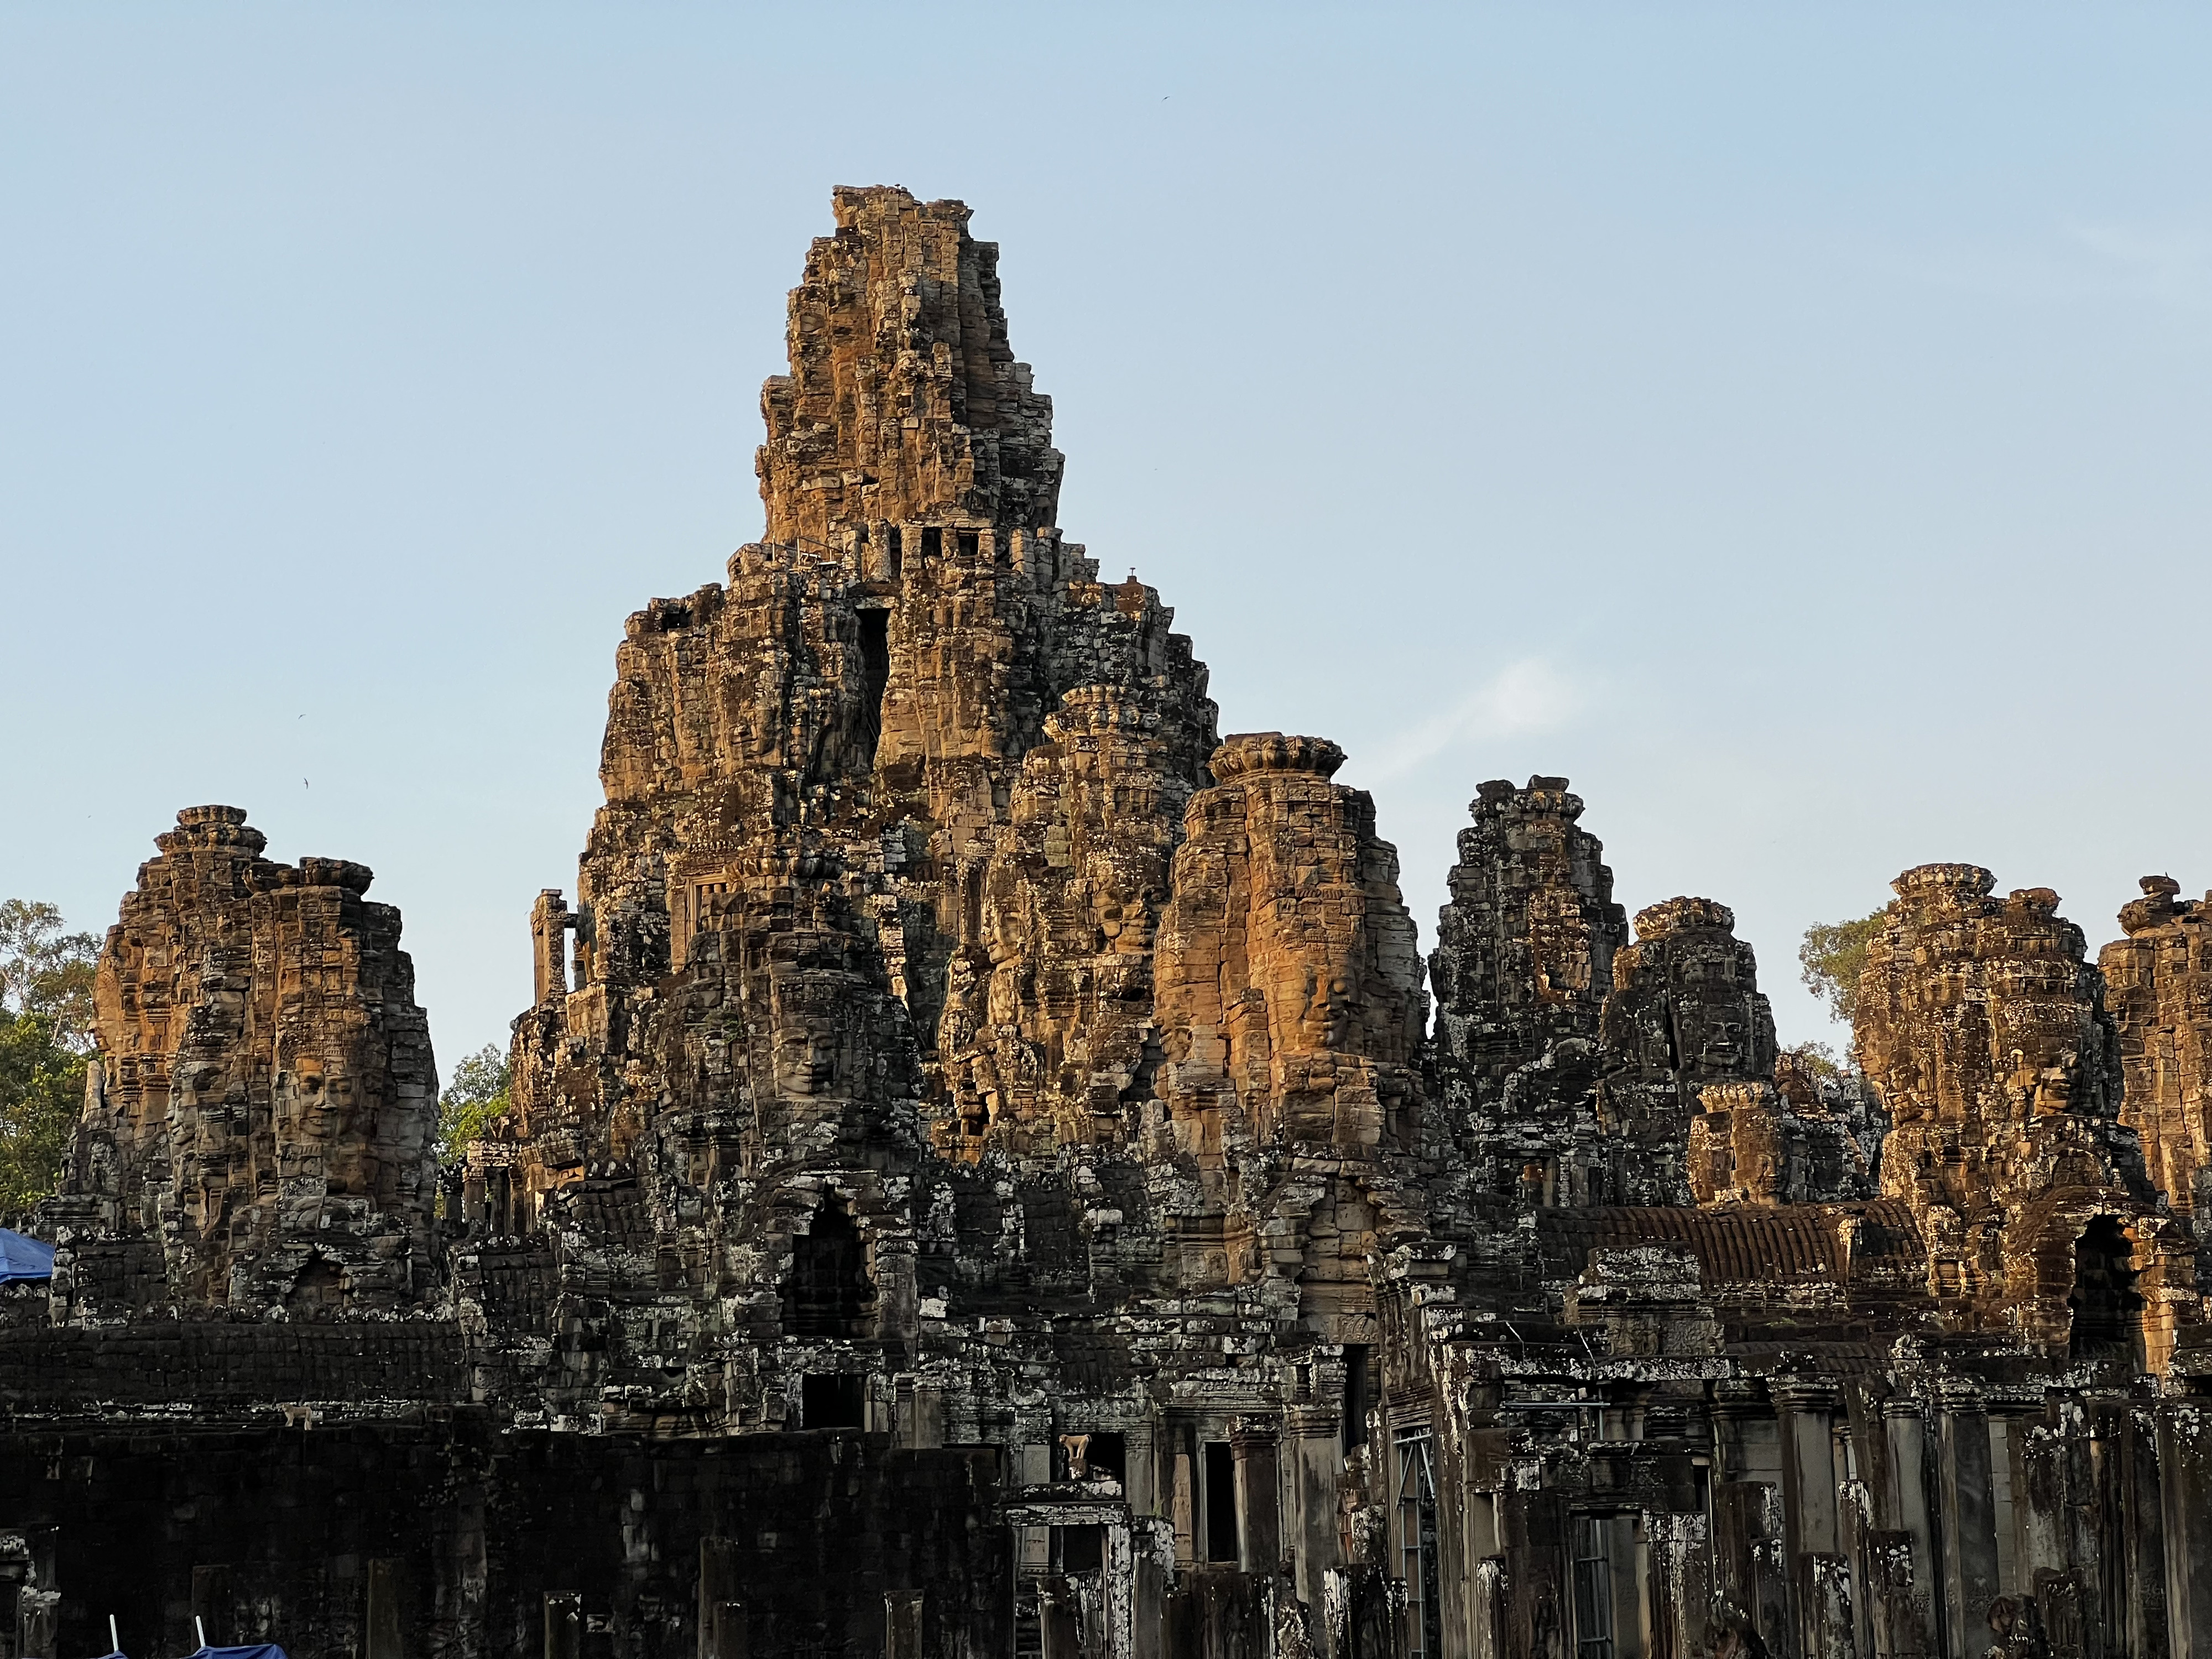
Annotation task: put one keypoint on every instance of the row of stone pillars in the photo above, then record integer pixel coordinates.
(723, 1628)
(1905, 1532)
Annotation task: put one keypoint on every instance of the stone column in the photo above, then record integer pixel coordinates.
(1060, 1619)
(1314, 1451)
(1182, 1506)
(1808, 1463)
(2185, 1457)
(1259, 1500)
(1680, 1579)
(903, 1624)
(1120, 1612)
(2039, 1499)
(1153, 1540)
(1748, 1574)
(1804, 1407)
(1901, 1563)
(550, 921)
(381, 1637)
(564, 1625)
(721, 1625)
(2134, 1498)
(1969, 1542)
(1482, 1569)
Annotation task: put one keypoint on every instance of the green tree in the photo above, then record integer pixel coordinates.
(1831, 957)
(41, 1089)
(46, 1040)
(44, 970)
(1818, 1060)
(477, 1097)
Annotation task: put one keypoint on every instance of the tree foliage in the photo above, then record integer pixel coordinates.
(477, 1097)
(44, 970)
(46, 1040)
(1831, 957)
(1818, 1060)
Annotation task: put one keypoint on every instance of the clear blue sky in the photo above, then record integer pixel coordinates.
(1792, 422)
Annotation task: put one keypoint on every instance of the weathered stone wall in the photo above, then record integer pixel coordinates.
(1984, 1033)
(2159, 988)
(904, 401)
(1685, 1013)
(1522, 965)
(1288, 985)
(1048, 1035)
(393, 1540)
(852, 712)
(980, 1181)
(264, 1105)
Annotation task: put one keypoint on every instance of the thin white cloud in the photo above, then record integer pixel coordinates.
(2172, 265)
(2169, 266)
(1523, 696)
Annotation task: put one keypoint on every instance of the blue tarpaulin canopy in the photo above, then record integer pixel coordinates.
(24, 1258)
(264, 1651)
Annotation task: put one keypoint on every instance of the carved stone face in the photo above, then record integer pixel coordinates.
(815, 1018)
(1122, 890)
(318, 1116)
(1713, 1015)
(1126, 924)
(1559, 944)
(1720, 1042)
(1326, 1020)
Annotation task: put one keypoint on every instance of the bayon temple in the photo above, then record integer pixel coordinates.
(990, 1172)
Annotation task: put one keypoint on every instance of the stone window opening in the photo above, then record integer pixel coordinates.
(1078, 1549)
(1106, 1455)
(1419, 1565)
(1220, 1496)
(1358, 1395)
(875, 678)
(833, 1399)
(318, 1288)
(828, 1292)
(1608, 1571)
(2106, 1306)
(1593, 1591)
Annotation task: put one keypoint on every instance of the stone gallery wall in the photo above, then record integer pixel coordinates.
(985, 1175)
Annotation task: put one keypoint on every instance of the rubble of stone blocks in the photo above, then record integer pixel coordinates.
(989, 1172)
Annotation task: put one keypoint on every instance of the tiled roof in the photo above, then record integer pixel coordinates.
(1792, 1245)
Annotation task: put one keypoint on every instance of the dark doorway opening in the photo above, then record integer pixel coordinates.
(1220, 1502)
(1107, 1455)
(1358, 1395)
(875, 676)
(828, 1292)
(1080, 1549)
(2105, 1305)
(835, 1400)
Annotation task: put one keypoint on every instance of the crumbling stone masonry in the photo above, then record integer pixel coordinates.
(258, 1129)
(983, 1180)
(1522, 969)
(1686, 1014)
(2160, 990)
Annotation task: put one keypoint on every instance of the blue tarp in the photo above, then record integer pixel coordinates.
(264, 1651)
(24, 1258)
